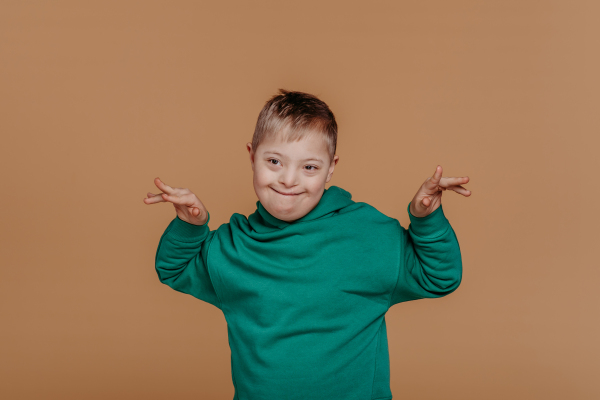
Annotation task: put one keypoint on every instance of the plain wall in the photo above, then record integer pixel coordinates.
(99, 98)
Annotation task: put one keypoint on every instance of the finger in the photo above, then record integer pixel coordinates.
(153, 198)
(461, 190)
(164, 187)
(452, 181)
(185, 200)
(172, 199)
(427, 200)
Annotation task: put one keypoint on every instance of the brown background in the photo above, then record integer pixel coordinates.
(99, 99)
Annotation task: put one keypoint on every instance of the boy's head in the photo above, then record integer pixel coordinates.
(292, 153)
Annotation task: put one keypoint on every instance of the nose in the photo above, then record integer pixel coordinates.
(287, 177)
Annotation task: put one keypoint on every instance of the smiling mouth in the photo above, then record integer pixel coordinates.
(287, 194)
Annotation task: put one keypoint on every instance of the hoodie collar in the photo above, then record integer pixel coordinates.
(333, 199)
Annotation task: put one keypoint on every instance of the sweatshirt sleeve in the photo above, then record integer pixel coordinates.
(182, 260)
(430, 259)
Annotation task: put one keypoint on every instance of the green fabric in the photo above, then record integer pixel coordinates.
(305, 301)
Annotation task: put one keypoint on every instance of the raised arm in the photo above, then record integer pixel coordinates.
(430, 263)
(182, 254)
(182, 262)
(430, 259)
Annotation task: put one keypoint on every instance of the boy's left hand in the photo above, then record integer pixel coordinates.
(429, 196)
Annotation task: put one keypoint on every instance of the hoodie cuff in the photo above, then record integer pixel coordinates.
(432, 225)
(186, 232)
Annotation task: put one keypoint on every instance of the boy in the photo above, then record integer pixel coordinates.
(305, 281)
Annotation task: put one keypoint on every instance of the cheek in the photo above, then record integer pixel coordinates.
(263, 176)
(313, 187)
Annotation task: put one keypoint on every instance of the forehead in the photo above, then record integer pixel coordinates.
(310, 146)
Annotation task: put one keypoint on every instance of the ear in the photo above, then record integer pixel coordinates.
(251, 152)
(332, 167)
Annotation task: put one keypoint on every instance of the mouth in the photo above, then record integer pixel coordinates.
(287, 194)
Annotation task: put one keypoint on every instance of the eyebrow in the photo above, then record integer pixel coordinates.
(307, 159)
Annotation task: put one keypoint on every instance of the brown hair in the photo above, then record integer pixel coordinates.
(293, 115)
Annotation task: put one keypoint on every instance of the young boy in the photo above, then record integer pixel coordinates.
(305, 281)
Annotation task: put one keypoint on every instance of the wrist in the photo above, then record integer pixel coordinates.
(186, 231)
(430, 225)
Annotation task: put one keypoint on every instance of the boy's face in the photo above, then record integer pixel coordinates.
(287, 183)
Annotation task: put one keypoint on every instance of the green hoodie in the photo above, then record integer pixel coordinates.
(305, 301)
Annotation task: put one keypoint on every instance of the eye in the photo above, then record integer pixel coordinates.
(314, 167)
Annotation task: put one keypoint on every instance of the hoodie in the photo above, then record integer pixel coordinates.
(305, 301)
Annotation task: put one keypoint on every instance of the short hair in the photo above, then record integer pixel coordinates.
(294, 115)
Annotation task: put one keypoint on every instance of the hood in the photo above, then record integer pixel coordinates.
(333, 199)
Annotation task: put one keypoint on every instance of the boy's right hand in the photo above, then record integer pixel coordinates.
(189, 208)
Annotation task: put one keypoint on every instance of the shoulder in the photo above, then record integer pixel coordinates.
(237, 222)
(368, 218)
(367, 209)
